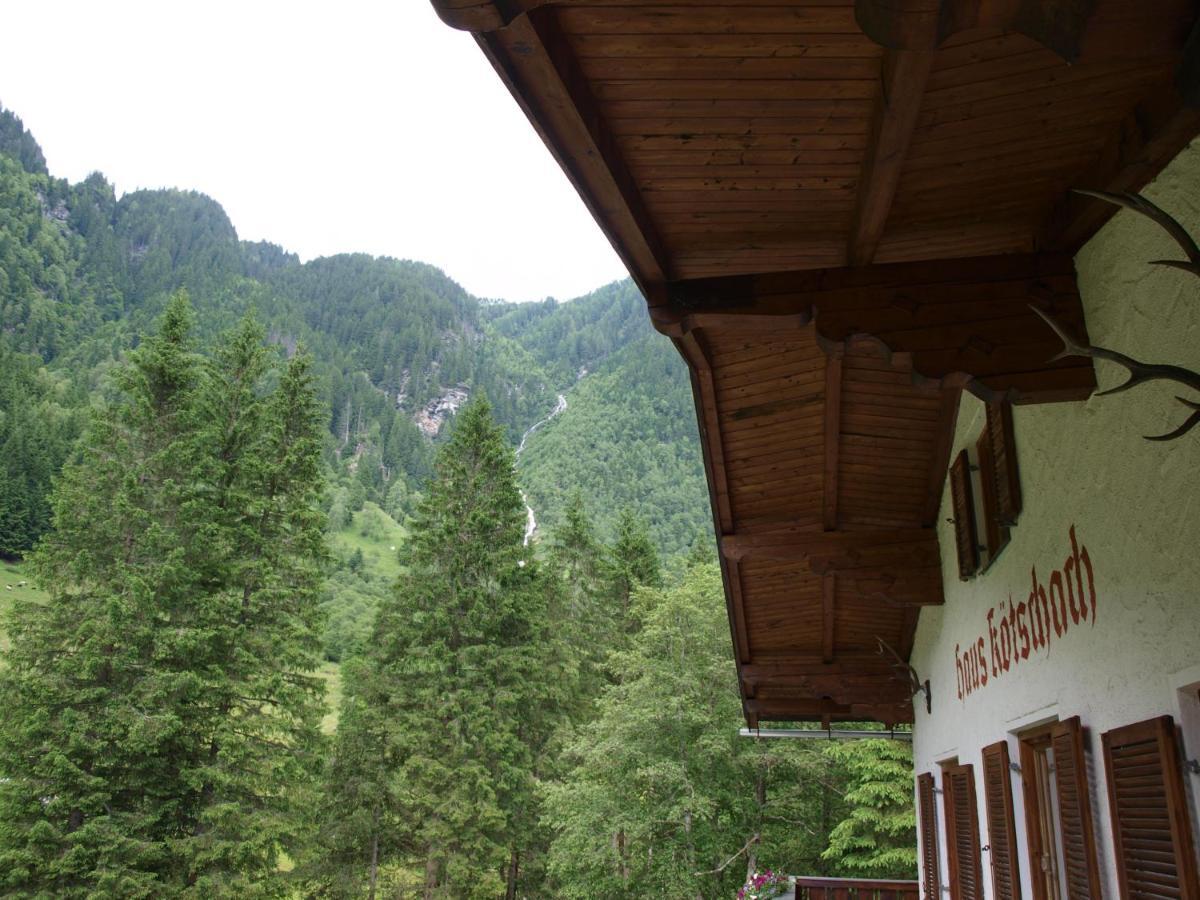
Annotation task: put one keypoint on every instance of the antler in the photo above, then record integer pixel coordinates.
(914, 680)
(1139, 373)
(1139, 204)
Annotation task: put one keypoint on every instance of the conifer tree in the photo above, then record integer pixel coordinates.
(632, 561)
(159, 716)
(581, 614)
(456, 681)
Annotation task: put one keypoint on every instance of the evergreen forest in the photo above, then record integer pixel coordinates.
(329, 579)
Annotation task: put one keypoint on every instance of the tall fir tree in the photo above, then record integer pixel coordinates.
(632, 562)
(160, 717)
(581, 613)
(456, 693)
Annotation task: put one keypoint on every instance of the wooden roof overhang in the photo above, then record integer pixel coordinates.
(841, 211)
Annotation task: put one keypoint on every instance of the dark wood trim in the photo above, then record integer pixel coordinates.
(828, 614)
(1158, 129)
(902, 80)
(833, 438)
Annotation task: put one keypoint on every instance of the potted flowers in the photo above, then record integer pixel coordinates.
(763, 885)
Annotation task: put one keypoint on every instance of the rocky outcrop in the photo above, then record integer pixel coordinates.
(434, 414)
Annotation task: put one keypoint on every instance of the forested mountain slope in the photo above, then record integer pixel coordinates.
(398, 347)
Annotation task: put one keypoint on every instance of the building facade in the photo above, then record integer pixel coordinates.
(1091, 611)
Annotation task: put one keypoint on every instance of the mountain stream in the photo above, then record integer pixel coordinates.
(530, 520)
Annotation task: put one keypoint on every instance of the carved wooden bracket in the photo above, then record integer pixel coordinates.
(925, 24)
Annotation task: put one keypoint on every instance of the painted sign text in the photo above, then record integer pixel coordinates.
(1017, 631)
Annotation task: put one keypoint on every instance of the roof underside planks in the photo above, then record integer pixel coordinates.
(841, 211)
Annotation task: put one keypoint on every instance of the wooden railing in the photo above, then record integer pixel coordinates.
(855, 889)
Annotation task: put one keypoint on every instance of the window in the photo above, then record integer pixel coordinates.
(1002, 838)
(999, 492)
(1150, 819)
(927, 813)
(1058, 813)
(962, 832)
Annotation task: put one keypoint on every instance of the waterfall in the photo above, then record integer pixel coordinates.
(530, 519)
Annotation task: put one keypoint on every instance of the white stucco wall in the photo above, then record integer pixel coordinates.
(1135, 506)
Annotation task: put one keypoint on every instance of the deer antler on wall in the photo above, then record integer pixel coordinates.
(1140, 372)
(905, 670)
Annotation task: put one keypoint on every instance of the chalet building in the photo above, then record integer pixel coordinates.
(859, 221)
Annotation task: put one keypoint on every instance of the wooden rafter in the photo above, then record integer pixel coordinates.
(532, 51)
(901, 87)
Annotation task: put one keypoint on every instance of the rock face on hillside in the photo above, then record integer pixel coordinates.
(434, 414)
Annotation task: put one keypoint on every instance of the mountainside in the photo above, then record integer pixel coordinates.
(399, 348)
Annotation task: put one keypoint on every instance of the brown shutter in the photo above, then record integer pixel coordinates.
(962, 833)
(963, 508)
(1002, 834)
(1151, 828)
(1003, 469)
(1075, 811)
(927, 810)
(995, 535)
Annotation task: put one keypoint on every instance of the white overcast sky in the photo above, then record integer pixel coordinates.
(342, 125)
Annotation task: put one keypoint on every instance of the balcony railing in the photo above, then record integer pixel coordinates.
(855, 889)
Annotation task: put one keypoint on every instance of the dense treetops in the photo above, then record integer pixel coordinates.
(230, 489)
(160, 712)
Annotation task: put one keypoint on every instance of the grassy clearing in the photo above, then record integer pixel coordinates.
(11, 575)
(377, 535)
(332, 673)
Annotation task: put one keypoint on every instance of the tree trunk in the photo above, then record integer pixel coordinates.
(431, 875)
(374, 856)
(514, 863)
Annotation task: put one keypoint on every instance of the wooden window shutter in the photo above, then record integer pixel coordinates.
(962, 833)
(1002, 834)
(927, 811)
(995, 535)
(1003, 469)
(1075, 811)
(963, 508)
(1150, 819)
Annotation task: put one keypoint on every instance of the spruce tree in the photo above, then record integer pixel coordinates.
(632, 562)
(456, 690)
(159, 715)
(581, 614)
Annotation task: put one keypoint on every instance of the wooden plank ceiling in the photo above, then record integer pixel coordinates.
(841, 211)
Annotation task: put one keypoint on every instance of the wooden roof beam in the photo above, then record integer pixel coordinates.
(529, 51)
(902, 81)
(963, 322)
(830, 550)
(1161, 125)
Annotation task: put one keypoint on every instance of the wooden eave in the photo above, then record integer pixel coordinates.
(841, 211)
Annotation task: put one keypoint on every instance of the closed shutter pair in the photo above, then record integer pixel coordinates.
(997, 453)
